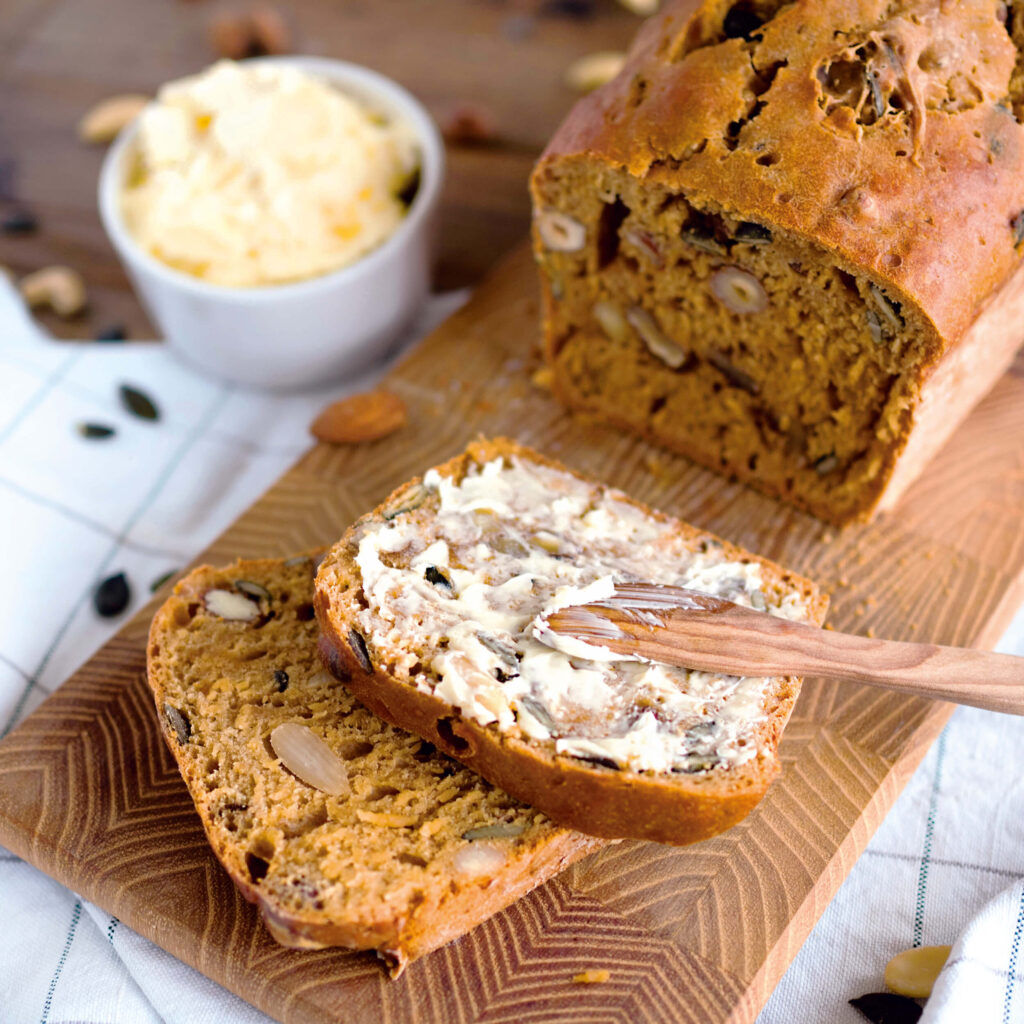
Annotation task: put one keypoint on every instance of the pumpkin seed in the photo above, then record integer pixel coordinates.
(115, 332)
(161, 580)
(706, 243)
(280, 680)
(179, 722)
(502, 830)
(733, 373)
(888, 308)
(19, 222)
(600, 762)
(138, 403)
(750, 233)
(111, 597)
(506, 652)
(253, 590)
(358, 645)
(878, 101)
(539, 712)
(887, 1008)
(95, 431)
(297, 560)
(826, 464)
(407, 502)
(438, 577)
(874, 326)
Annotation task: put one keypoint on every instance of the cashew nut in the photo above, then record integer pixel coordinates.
(102, 123)
(60, 288)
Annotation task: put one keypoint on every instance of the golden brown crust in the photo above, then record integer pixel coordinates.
(219, 677)
(880, 140)
(900, 198)
(601, 801)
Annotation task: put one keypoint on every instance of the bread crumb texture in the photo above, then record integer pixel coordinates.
(760, 239)
(383, 866)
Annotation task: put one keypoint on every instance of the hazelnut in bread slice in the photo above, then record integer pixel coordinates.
(343, 829)
(427, 608)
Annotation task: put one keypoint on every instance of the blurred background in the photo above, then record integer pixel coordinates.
(494, 73)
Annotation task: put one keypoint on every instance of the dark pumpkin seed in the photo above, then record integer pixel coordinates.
(358, 645)
(281, 680)
(138, 403)
(1017, 224)
(887, 1008)
(875, 326)
(706, 243)
(95, 431)
(750, 233)
(732, 373)
(179, 722)
(115, 332)
(438, 577)
(406, 502)
(19, 222)
(502, 830)
(111, 597)
(506, 652)
(256, 590)
(888, 308)
(539, 712)
(597, 761)
(826, 464)
(161, 580)
(878, 101)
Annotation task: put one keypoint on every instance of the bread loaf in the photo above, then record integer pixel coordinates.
(374, 841)
(426, 606)
(786, 239)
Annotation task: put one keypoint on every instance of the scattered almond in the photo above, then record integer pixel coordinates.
(469, 124)
(592, 976)
(101, 123)
(364, 417)
(253, 33)
(59, 288)
(594, 70)
(309, 758)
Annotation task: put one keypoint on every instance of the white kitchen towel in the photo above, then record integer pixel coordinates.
(148, 498)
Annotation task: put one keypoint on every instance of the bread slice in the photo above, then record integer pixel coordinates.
(411, 851)
(425, 607)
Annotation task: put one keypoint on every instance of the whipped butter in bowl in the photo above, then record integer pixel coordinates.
(275, 216)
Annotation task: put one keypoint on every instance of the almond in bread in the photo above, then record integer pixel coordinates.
(786, 240)
(426, 606)
(410, 850)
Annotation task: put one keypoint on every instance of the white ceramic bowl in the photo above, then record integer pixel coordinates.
(291, 336)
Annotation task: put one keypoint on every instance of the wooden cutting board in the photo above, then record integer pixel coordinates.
(89, 794)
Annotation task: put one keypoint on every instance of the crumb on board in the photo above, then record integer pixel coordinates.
(591, 976)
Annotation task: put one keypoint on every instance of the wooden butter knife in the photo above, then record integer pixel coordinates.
(695, 630)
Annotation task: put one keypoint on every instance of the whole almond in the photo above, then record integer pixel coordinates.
(364, 417)
(270, 30)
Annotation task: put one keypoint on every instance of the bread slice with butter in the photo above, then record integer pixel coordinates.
(343, 829)
(427, 607)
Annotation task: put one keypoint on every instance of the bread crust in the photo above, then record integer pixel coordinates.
(921, 231)
(597, 800)
(417, 917)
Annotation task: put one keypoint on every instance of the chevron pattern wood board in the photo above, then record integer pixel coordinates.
(701, 934)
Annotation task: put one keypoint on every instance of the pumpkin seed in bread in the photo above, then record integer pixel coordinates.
(410, 851)
(426, 606)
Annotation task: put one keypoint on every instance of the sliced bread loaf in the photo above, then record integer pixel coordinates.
(426, 606)
(345, 830)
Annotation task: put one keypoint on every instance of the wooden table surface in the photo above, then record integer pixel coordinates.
(58, 57)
